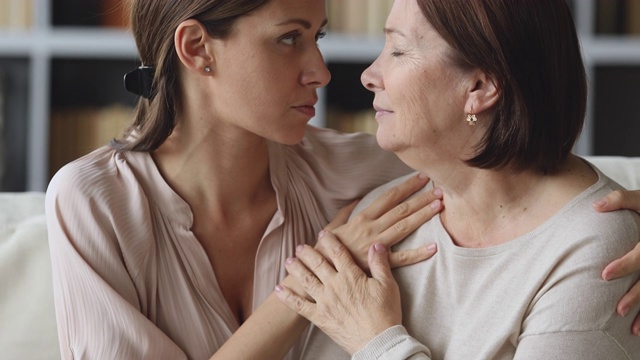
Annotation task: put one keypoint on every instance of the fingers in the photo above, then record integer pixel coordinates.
(342, 216)
(379, 263)
(394, 196)
(623, 266)
(635, 327)
(337, 253)
(619, 199)
(417, 214)
(409, 257)
(310, 263)
(295, 302)
(310, 269)
(629, 300)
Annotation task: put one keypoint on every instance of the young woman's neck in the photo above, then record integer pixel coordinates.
(227, 171)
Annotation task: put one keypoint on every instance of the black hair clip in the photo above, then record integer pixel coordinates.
(140, 81)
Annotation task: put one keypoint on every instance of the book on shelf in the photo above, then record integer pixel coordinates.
(617, 17)
(633, 17)
(16, 14)
(3, 159)
(77, 132)
(362, 17)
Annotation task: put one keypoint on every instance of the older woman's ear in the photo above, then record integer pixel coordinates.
(483, 93)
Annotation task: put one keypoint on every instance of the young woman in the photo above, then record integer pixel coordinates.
(165, 242)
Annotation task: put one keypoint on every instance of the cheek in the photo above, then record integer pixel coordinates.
(415, 111)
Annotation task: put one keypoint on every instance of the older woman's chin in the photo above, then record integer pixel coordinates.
(385, 141)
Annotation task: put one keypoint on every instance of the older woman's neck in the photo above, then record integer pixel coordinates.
(486, 208)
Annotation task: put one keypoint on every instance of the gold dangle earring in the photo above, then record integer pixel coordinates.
(471, 118)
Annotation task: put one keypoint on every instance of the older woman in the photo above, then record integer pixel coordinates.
(487, 97)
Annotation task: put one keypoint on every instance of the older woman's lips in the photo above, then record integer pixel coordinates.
(382, 112)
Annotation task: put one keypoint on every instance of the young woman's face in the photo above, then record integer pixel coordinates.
(269, 69)
(419, 94)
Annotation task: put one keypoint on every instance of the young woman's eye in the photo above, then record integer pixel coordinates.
(320, 35)
(290, 39)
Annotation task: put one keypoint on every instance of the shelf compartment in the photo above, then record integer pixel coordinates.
(14, 123)
(616, 110)
(89, 106)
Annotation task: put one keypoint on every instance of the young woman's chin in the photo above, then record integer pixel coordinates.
(291, 136)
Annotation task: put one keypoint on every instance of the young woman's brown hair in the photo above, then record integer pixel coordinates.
(153, 24)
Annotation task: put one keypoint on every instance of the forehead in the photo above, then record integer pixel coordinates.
(407, 21)
(406, 14)
(278, 10)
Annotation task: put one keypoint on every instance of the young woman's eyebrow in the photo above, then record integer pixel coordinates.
(305, 23)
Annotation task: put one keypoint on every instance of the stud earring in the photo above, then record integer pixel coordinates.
(471, 119)
(207, 69)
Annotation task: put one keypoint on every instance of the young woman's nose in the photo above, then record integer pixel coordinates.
(316, 72)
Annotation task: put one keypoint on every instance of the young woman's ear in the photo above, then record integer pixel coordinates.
(483, 94)
(193, 46)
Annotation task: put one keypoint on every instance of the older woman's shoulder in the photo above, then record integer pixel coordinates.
(377, 192)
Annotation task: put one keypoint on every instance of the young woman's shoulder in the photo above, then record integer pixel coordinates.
(102, 179)
(96, 197)
(93, 171)
(345, 165)
(349, 153)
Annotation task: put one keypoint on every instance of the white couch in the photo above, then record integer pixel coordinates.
(27, 319)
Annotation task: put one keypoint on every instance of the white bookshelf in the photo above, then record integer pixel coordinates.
(599, 50)
(43, 43)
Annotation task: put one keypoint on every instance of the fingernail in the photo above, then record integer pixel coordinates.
(624, 311)
(380, 248)
(289, 261)
(435, 204)
(636, 330)
(321, 234)
(422, 175)
(299, 249)
(278, 288)
(431, 247)
(437, 192)
(599, 203)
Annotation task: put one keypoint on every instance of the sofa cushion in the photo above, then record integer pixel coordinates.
(623, 170)
(27, 325)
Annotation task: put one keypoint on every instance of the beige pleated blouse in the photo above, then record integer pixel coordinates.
(130, 279)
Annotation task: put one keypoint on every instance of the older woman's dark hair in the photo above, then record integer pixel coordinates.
(531, 50)
(153, 23)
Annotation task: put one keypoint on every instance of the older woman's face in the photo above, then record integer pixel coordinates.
(419, 94)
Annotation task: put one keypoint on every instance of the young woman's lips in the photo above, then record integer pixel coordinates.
(309, 111)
